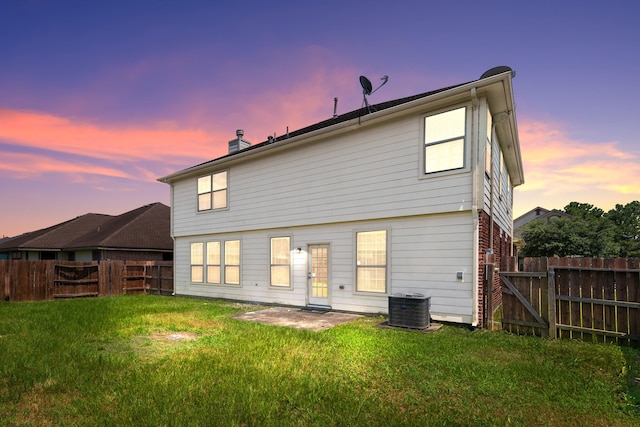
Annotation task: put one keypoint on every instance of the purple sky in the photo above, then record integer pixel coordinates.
(98, 99)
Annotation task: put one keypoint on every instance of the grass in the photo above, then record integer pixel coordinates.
(177, 361)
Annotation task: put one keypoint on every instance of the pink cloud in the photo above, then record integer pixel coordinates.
(560, 169)
(49, 132)
(24, 165)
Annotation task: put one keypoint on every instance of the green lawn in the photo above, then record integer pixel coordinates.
(175, 361)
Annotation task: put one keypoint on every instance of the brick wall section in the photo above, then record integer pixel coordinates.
(501, 249)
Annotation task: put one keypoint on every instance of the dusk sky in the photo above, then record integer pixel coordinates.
(98, 99)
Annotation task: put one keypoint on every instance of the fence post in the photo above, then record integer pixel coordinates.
(551, 297)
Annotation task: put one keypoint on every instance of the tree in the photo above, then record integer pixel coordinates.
(589, 232)
(574, 236)
(626, 220)
(583, 210)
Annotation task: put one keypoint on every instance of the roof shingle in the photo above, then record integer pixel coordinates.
(147, 227)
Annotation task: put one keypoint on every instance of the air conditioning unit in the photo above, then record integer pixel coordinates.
(409, 311)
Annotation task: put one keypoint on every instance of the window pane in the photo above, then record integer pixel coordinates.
(280, 250)
(204, 184)
(204, 201)
(196, 253)
(196, 273)
(232, 275)
(444, 126)
(487, 158)
(280, 275)
(372, 279)
(213, 274)
(372, 248)
(371, 261)
(213, 253)
(220, 181)
(220, 199)
(444, 156)
(232, 252)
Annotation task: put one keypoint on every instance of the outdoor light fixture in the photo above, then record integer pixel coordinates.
(299, 250)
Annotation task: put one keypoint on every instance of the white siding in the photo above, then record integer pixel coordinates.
(325, 191)
(372, 172)
(425, 253)
(502, 204)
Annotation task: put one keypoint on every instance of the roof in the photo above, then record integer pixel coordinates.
(147, 227)
(496, 87)
(535, 214)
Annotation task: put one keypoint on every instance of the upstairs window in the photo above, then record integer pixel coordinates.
(444, 136)
(212, 191)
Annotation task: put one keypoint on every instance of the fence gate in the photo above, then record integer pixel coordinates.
(526, 301)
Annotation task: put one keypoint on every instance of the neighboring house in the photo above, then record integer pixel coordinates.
(139, 235)
(534, 214)
(537, 213)
(406, 196)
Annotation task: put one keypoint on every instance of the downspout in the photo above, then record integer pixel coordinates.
(475, 121)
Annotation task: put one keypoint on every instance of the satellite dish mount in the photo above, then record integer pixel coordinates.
(367, 89)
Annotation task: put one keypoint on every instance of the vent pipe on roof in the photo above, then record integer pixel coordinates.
(238, 144)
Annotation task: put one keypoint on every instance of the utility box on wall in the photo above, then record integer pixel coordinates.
(409, 310)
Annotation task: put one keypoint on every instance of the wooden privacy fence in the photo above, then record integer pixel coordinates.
(44, 280)
(591, 299)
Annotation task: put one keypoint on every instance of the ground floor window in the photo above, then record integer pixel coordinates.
(197, 262)
(281, 261)
(232, 262)
(371, 261)
(213, 263)
(207, 265)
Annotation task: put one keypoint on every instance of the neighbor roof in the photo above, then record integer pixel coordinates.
(147, 227)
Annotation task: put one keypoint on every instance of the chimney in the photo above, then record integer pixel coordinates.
(238, 144)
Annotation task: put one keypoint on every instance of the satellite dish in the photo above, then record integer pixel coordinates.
(367, 88)
(498, 70)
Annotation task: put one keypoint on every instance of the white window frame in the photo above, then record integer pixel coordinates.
(273, 264)
(210, 190)
(204, 263)
(196, 264)
(228, 264)
(501, 182)
(211, 264)
(358, 264)
(488, 152)
(424, 145)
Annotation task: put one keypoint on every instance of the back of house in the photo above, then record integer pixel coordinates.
(403, 197)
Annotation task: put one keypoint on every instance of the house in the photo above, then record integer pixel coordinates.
(405, 196)
(536, 213)
(141, 235)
